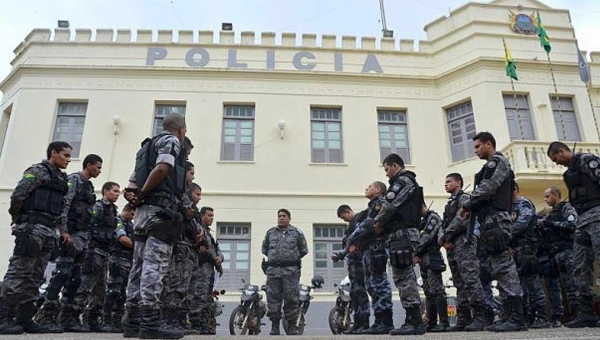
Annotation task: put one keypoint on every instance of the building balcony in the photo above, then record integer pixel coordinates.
(533, 167)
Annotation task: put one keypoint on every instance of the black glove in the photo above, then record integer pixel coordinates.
(546, 224)
(337, 257)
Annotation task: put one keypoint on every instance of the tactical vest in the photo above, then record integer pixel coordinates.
(80, 212)
(44, 205)
(501, 200)
(103, 233)
(408, 215)
(164, 195)
(560, 239)
(118, 248)
(451, 209)
(584, 193)
(527, 238)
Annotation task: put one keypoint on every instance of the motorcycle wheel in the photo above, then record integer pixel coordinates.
(284, 323)
(335, 320)
(236, 320)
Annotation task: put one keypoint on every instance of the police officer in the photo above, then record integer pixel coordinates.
(583, 181)
(184, 263)
(464, 262)
(358, 292)
(402, 220)
(558, 230)
(90, 295)
(210, 258)
(375, 259)
(75, 217)
(119, 265)
(284, 246)
(157, 188)
(431, 264)
(490, 203)
(523, 247)
(35, 208)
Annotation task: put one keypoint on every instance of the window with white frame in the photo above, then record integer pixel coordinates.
(70, 121)
(238, 133)
(461, 127)
(326, 135)
(161, 111)
(518, 117)
(565, 119)
(393, 134)
(327, 240)
(234, 242)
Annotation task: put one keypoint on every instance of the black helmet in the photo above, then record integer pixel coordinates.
(317, 281)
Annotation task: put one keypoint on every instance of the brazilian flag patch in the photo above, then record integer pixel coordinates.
(30, 177)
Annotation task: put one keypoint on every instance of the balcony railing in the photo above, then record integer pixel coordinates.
(530, 157)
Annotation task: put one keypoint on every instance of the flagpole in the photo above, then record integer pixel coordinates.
(588, 86)
(512, 85)
(562, 121)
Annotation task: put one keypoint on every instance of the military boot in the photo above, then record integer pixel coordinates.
(432, 313)
(481, 319)
(197, 325)
(69, 320)
(383, 320)
(131, 322)
(117, 319)
(151, 326)
(540, 320)
(442, 311)
(586, 315)
(47, 314)
(274, 327)
(25, 313)
(108, 324)
(374, 326)
(516, 320)
(7, 324)
(291, 328)
(464, 319)
(360, 323)
(413, 325)
(91, 320)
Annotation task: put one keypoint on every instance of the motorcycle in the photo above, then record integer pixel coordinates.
(246, 317)
(304, 300)
(339, 316)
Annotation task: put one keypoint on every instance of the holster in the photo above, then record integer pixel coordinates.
(436, 262)
(401, 254)
(494, 240)
(166, 226)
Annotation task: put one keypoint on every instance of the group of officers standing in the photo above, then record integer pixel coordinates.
(492, 233)
(151, 277)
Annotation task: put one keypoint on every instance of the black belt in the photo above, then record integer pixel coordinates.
(283, 263)
(39, 218)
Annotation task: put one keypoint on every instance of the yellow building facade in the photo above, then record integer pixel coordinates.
(301, 121)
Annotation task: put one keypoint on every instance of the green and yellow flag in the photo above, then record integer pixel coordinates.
(544, 40)
(511, 67)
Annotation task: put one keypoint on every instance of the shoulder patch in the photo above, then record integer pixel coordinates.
(29, 177)
(571, 218)
(593, 164)
(396, 187)
(492, 164)
(390, 195)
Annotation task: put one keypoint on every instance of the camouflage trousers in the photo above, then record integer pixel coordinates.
(466, 275)
(358, 292)
(534, 301)
(404, 277)
(91, 291)
(485, 275)
(283, 290)
(566, 272)
(178, 285)
(157, 255)
(203, 285)
(67, 273)
(586, 250)
(376, 280)
(118, 276)
(33, 246)
(433, 285)
(134, 297)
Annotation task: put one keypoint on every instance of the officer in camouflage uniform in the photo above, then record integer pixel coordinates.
(402, 221)
(210, 258)
(464, 262)
(358, 292)
(157, 188)
(184, 264)
(375, 259)
(524, 246)
(75, 217)
(35, 208)
(490, 203)
(119, 265)
(431, 264)
(90, 295)
(284, 246)
(549, 275)
(583, 181)
(557, 230)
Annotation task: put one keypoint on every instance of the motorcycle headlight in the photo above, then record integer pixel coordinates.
(346, 292)
(248, 292)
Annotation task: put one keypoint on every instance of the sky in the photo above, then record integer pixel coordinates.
(340, 17)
